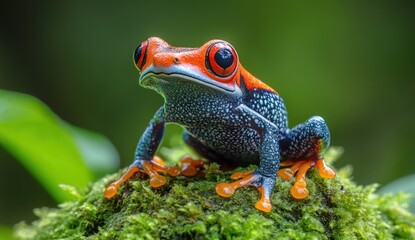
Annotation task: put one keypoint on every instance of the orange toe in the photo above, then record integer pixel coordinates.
(263, 204)
(288, 173)
(247, 179)
(190, 166)
(189, 170)
(285, 174)
(324, 170)
(228, 189)
(239, 175)
(174, 171)
(190, 161)
(299, 169)
(299, 192)
(159, 161)
(157, 181)
(112, 189)
(287, 163)
(225, 190)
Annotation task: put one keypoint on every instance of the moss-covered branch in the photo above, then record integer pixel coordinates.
(189, 208)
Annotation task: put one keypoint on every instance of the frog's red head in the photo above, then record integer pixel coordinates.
(215, 64)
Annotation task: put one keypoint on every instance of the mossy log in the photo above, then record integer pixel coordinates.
(188, 208)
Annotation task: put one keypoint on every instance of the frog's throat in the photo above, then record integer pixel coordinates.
(150, 78)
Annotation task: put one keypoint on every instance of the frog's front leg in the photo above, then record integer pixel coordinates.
(263, 178)
(303, 148)
(146, 148)
(145, 161)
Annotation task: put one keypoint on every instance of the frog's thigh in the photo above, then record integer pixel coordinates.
(306, 141)
(203, 150)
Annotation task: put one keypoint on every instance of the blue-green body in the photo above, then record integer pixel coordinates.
(229, 116)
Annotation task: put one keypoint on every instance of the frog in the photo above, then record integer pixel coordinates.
(229, 117)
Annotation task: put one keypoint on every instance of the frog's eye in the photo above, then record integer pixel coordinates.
(221, 59)
(140, 55)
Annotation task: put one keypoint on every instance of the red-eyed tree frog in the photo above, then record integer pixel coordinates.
(229, 117)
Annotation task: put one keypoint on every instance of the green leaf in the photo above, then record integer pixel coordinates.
(6, 233)
(402, 185)
(32, 133)
(98, 152)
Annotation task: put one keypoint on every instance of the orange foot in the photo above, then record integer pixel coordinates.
(299, 190)
(189, 167)
(249, 178)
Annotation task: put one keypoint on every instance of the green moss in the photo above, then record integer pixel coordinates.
(189, 208)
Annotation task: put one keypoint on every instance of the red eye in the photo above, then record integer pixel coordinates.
(221, 59)
(140, 55)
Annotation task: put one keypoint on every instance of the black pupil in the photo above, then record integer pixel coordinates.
(224, 58)
(137, 53)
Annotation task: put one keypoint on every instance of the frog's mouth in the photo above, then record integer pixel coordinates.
(150, 75)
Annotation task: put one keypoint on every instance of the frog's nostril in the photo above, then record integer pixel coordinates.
(176, 61)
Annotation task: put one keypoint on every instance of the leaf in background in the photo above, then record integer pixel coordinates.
(405, 185)
(99, 153)
(6, 233)
(54, 152)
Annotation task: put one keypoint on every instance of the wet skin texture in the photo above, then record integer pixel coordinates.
(229, 117)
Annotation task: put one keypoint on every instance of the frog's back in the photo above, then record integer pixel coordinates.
(269, 105)
(230, 138)
(264, 100)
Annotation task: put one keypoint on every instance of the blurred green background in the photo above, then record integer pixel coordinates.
(352, 62)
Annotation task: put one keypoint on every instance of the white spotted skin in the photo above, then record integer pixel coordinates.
(210, 116)
(229, 118)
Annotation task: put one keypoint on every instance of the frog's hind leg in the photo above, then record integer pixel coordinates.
(302, 149)
(248, 178)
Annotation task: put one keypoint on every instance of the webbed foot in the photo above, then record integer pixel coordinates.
(250, 178)
(188, 167)
(300, 168)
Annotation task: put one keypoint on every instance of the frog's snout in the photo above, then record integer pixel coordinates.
(165, 60)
